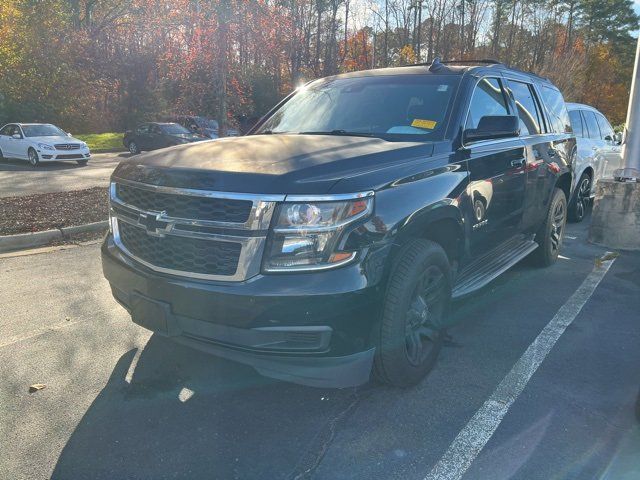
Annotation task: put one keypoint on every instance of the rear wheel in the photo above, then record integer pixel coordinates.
(34, 160)
(133, 148)
(412, 326)
(551, 234)
(581, 198)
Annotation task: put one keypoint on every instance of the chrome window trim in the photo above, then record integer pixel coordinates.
(248, 263)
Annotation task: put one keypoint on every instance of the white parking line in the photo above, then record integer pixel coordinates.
(475, 435)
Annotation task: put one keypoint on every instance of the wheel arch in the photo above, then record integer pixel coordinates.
(443, 225)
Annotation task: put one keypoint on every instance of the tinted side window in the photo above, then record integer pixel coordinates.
(142, 130)
(488, 99)
(591, 124)
(527, 108)
(558, 115)
(605, 127)
(576, 123)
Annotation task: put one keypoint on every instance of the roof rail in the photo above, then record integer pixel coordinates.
(438, 64)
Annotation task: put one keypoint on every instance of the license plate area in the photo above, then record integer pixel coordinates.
(153, 315)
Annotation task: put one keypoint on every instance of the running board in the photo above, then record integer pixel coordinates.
(486, 268)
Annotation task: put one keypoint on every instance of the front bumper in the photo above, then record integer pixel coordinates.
(64, 155)
(313, 329)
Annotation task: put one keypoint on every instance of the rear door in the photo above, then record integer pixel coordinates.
(142, 136)
(610, 150)
(157, 139)
(540, 151)
(5, 143)
(497, 179)
(595, 144)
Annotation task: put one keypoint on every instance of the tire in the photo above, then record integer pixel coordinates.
(82, 163)
(411, 330)
(34, 160)
(578, 205)
(1, 156)
(133, 148)
(551, 233)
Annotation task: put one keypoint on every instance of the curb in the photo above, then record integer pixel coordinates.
(21, 241)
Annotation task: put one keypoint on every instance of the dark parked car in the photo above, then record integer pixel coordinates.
(155, 135)
(329, 241)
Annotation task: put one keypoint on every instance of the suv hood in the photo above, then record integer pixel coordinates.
(281, 163)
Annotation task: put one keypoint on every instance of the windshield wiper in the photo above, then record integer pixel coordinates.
(339, 132)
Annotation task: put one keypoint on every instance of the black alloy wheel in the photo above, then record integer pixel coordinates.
(578, 207)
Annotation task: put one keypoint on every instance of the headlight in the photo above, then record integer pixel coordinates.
(45, 146)
(84, 145)
(306, 235)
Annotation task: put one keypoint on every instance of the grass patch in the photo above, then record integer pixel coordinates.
(101, 142)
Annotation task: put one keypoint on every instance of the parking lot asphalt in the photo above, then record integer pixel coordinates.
(121, 403)
(18, 177)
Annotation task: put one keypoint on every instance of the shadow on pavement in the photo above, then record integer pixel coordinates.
(186, 414)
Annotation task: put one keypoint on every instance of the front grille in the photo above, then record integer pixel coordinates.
(185, 206)
(69, 156)
(183, 254)
(67, 146)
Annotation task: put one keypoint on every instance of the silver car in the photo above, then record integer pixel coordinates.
(599, 154)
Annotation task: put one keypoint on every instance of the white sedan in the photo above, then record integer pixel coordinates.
(41, 142)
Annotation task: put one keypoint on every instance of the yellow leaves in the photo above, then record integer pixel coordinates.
(407, 55)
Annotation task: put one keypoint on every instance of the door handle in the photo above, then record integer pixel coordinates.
(519, 163)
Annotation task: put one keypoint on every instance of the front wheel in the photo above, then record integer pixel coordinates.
(133, 148)
(34, 160)
(580, 200)
(551, 233)
(411, 330)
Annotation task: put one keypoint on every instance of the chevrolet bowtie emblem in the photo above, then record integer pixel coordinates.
(154, 224)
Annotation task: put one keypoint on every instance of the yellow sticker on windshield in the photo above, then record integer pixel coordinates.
(428, 124)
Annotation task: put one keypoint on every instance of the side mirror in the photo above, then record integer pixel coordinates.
(493, 127)
(17, 136)
(617, 138)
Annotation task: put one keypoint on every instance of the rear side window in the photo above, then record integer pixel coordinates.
(576, 123)
(591, 124)
(558, 115)
(530, 121)
(488, 100)
(605, 127)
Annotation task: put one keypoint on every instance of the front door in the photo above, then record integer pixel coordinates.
(497, 179)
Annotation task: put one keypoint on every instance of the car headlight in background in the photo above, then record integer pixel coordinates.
(306, 235)
(45, 146)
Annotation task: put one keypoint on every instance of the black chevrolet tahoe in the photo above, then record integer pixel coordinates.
(327, 244)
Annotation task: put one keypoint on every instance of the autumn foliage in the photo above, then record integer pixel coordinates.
(103, 65)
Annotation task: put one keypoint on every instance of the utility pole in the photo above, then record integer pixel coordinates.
(631, 141)
(616, 211)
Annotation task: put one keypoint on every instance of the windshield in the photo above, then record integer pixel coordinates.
(175, 129)
(407, 107)
(42, 131)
